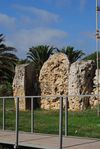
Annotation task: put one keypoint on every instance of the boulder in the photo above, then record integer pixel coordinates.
(23, 84)
(94, 101)
(54, 80)
(80, 82)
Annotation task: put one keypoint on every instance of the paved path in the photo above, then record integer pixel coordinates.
(48, 141)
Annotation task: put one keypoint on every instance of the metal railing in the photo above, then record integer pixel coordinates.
(61, 98)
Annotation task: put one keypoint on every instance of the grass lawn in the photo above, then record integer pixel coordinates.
(84, 123)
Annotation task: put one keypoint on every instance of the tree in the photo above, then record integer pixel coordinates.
(39, 54)
(73, 55)
(7, 61)
(93, 56)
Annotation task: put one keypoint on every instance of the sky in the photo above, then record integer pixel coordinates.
(58, 23)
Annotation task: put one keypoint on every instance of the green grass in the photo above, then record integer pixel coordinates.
(84, 123)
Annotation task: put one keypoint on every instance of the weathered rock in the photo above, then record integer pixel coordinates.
(80, 82)
(23, 84)
(94, 101)
(54, 80)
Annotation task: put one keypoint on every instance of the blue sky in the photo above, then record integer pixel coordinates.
(27, 23)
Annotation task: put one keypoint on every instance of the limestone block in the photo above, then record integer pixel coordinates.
(80, 82)
(23, 84)
(54, 80)
(94, 101)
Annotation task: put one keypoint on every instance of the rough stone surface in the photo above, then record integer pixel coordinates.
(94, 101)
(54, 80)
(23, 84)
(80, 82)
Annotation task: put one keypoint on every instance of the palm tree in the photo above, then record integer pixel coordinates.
(73, 55)
(7, 61)
(39, 54)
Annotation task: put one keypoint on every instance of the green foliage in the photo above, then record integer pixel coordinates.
(39, 54)
(73, 55)
(6, 89)
(7, 61)
(93, 56)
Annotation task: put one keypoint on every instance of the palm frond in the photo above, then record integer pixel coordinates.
(8, 60)
(39, 54)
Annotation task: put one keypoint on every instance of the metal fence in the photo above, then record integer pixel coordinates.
(63, 116)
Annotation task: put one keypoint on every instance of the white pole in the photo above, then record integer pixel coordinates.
(97, 49)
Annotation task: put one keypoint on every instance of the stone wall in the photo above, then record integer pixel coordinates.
(23, 84)
(54, 80)
(80, 82)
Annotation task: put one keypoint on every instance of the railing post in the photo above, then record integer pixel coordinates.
(3, 127)
(66, 116)
(17, 123)
(61, 123)
(32, 115)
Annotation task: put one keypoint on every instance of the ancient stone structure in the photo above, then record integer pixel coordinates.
(80, 82)
(23, 84)
(57, 77)
(54, 80)
(95, 100)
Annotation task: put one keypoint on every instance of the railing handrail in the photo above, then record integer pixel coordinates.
(61, 97)
(48, 96)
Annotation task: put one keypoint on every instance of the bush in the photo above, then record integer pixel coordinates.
(6, 89)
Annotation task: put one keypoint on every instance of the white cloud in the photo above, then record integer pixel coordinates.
(33, 27)
(7, 21)
(26, 20)
(24, 39)
(41, 14)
